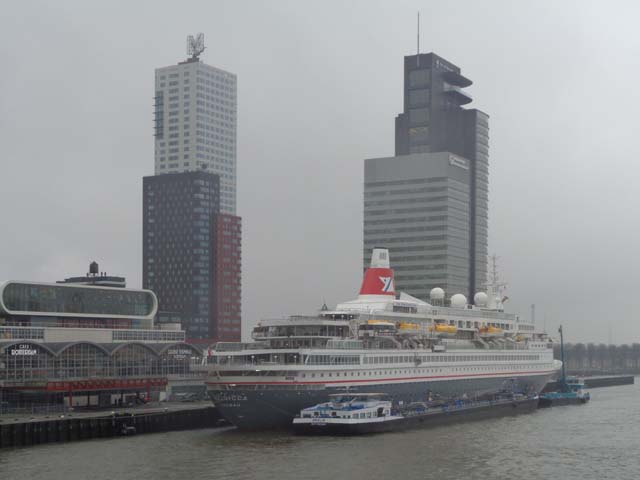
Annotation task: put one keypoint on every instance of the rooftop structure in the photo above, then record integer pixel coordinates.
(95, 277)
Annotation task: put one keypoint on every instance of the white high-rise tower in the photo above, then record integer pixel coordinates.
(195, 121)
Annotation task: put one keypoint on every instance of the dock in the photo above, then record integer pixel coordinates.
(22, 431)
(598, 381)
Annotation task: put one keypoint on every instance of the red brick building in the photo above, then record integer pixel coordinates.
(226, 319)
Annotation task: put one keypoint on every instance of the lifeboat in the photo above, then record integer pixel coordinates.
(384, 323)
(442, 328)
(491, 331)
(408, 326)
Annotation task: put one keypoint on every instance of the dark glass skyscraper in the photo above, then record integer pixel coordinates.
(433, 121)
(179, 212)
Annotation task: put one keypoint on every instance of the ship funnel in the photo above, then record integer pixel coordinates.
(378, 279)
(380, 258)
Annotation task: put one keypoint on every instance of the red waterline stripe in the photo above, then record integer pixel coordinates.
(380, 379)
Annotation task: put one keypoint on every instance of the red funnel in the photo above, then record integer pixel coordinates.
(378, 279)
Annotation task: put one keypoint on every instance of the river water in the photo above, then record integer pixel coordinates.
(600, 440)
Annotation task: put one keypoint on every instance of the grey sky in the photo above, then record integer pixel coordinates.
(319, 85)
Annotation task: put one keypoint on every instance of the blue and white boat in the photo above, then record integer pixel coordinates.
(347, 413)
(571, 392)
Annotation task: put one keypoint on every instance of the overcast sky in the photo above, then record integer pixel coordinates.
(319, 85)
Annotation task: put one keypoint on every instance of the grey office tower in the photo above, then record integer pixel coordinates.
(429, 203)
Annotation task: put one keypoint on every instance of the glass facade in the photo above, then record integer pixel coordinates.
(24, 333)
(56, 299)
(30, 362)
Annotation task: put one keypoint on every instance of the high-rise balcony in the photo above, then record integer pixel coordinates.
(462, 97)
(455, 78)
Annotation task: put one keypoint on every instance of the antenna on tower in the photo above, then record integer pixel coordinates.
(418, 33)
(418, 41)
(195, 46)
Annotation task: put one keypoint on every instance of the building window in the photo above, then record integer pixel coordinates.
(418, 116)
(419, 78)
(418, 98)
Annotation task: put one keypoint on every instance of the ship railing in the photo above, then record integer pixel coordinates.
(251, 361)
(277, 335)
(457, 312)
(506, 346)
(239, 346)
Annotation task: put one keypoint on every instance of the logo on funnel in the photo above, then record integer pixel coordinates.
(387, 284)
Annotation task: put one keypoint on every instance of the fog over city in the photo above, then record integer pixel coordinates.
(319, 86)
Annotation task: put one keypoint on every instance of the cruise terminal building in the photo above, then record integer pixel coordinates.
(78, 345)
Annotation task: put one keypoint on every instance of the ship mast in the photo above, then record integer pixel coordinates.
(563, 380)
(495, 287)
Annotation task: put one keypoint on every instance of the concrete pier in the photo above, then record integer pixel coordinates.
(598, 381)
(20, 432)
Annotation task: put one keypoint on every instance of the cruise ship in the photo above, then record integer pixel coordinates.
(381, 342)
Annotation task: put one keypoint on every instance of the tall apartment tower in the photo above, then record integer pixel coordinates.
(191, 235)
(195, 124)
(433, 219)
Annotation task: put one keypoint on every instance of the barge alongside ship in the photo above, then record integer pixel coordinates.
(400, 346)
(358, 414)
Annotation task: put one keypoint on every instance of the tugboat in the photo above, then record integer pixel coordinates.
(360, 413)
(571, 391)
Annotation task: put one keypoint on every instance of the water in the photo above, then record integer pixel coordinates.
(598, 440)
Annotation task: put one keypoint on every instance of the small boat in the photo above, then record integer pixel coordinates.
(347, 413)
(127, 430)
(361, 413)
(571, 391)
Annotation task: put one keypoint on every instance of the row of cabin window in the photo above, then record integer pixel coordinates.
(413, 372)
(443, 358)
